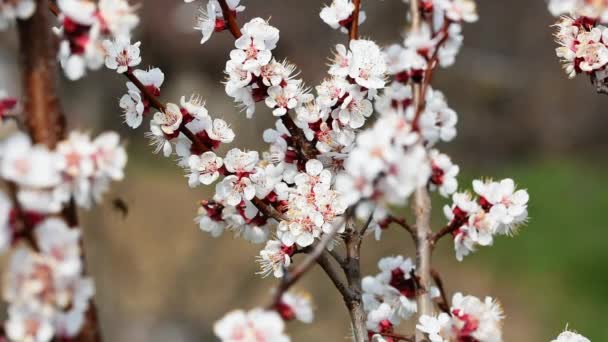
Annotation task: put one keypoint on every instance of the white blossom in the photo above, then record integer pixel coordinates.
(121, 54)
(256, 325)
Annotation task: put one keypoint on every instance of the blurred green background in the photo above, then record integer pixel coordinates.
(160, 279)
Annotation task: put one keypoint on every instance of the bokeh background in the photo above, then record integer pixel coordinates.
(159, 278)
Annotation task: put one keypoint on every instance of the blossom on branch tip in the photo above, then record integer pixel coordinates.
(205, 169)
(275, 258)
(84, 27)
(121, 54)
(469, 319)
(444, 173)
(339, 14)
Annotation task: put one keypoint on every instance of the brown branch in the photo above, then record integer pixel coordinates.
(600, 85)
(290, 278)
(53, 7)
(444, 304)
(156, 103)
(403, 224)
(268, 210)
(365, 227)
(422, 210)
(44, 119)
(353, 31)
(337, 257)
(230, 17)
(304, 148)
(352, 269)
(428, 74)
(325, 264)
(449, 229)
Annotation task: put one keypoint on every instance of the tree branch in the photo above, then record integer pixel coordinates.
(352, 269)
(230, 17)
(156, 103)
(325, 264)
(44, 118)
(353, 32)
(290, 278)
(449, 229)
(304, 148)
(268, 210)
(444, 305)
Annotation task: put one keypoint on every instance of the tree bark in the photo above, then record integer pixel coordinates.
(422, 210)
(44, 119)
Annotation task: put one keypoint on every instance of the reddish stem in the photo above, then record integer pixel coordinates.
(230, 17)
(354, 26)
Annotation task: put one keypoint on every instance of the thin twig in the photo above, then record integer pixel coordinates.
(268, 210)
(156, 103)
(449, 229)
(444, 305)
(403, 224)
(365, 227)
(230, 17)
(290, 278)
(428, 74)
(354, 26)
(304, 148)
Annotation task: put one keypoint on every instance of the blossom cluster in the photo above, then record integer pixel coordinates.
(499, 210)
(469, 319)
(84, 25)
(583, 46)
(15, 9)
(264, 325)
(339, 15)
(324, 158)
(78, 168)
(47, 292)
(597, 10)
(48, 295)
(390, 296)
(439, 39)
(211, 18)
